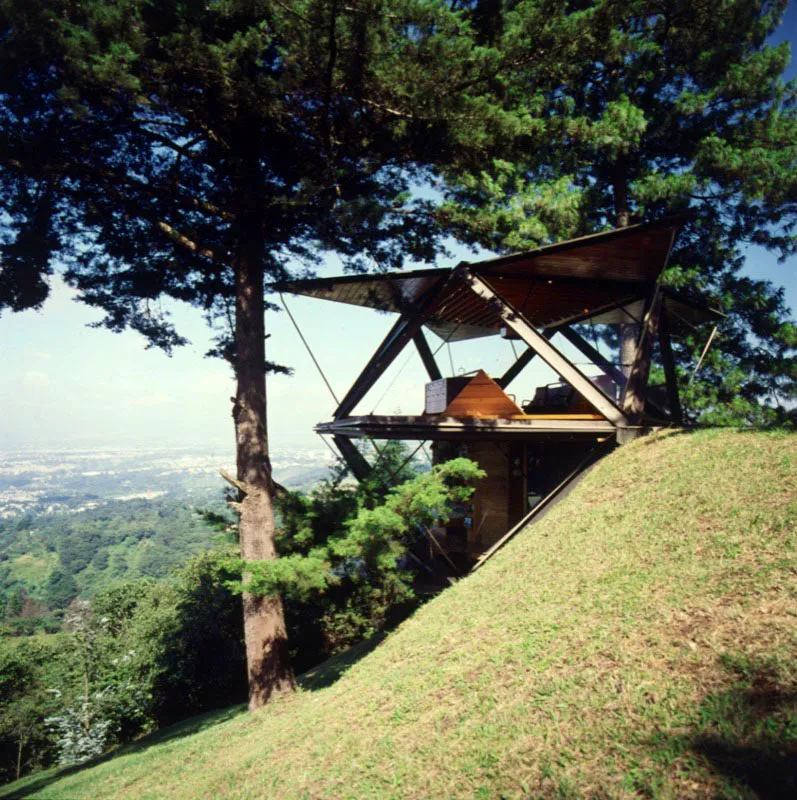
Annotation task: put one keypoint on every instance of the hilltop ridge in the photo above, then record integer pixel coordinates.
(638, 641)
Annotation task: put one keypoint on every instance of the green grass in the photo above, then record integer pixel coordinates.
(639, 641)
(31, 570)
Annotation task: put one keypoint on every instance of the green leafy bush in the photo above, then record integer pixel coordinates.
(344, 566)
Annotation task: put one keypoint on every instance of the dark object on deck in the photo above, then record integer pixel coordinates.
(441, 392)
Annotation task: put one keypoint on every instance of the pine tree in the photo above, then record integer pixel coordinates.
(648, 107)
(201, 151)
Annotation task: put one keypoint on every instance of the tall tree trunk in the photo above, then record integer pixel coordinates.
(629, 332)
(622, 213)
(19, 757)
(268, 662)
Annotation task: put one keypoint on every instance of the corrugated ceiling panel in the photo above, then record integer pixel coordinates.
(638, 255)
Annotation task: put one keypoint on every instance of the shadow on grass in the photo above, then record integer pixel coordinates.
(746, 735)
(330, 671)
(325, 674)
(763, 771)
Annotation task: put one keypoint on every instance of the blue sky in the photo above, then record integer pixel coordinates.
(64, 385)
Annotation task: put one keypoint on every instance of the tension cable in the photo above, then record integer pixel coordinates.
(703, 354)
(309, 350)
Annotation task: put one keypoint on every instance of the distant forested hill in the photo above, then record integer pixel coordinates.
(47, 560)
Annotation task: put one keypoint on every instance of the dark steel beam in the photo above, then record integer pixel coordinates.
(594, 355)
(603, 363)
(523, 361)
(354, 459)
(668, 361)
(391, 346)
(397, 339)
(427, 356)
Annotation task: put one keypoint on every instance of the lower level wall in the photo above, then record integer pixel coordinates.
(519, 475)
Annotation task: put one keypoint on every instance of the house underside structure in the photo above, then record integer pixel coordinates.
(533, 449)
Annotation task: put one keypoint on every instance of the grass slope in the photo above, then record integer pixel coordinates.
(638, 641)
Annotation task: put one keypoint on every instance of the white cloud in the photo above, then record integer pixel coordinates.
(154, 399)
(35, 378)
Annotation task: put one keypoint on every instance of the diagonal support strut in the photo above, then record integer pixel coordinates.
(546, 351)
(523, 361)
(354, 459)
(425, 352)
(403, 332)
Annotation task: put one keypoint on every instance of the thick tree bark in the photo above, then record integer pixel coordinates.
(629, 333)
(268, 662)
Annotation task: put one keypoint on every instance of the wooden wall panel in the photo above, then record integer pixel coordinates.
(491, 498)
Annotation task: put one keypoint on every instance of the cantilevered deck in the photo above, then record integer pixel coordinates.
(429, 427)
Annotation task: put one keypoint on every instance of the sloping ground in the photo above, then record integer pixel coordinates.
(638, 641)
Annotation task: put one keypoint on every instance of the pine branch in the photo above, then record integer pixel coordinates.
(49, 171)
(184, 241)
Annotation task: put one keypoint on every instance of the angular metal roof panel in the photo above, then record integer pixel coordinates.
(586, 278)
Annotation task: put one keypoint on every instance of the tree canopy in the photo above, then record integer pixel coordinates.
(651, 108)
(199, 151)
(135, 136)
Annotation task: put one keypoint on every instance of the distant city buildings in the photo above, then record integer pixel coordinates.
(57, 481)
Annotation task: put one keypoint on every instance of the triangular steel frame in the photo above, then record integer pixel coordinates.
(626, 415)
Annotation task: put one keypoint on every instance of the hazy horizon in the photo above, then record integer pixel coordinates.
(67, 386)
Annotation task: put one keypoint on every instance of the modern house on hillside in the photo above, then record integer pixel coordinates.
(530, 449)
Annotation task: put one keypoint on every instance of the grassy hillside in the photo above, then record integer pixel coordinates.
(639, 641)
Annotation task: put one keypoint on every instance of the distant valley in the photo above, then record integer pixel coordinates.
(75, 522)
(34, 482)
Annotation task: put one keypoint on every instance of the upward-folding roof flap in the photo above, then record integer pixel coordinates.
(588, 278)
